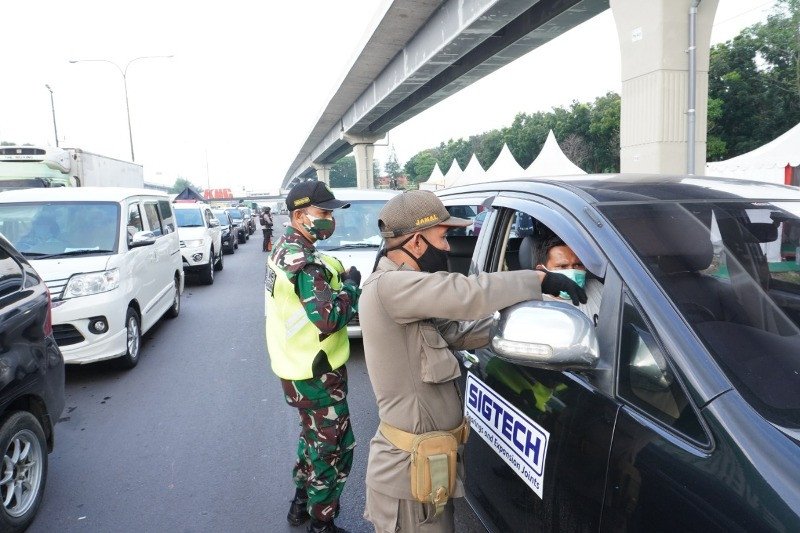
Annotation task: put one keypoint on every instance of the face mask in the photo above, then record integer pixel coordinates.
(432, 260)
(320, 228)
(578, 276)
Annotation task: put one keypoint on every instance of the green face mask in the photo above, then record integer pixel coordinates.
(578, 276)
(320, 228)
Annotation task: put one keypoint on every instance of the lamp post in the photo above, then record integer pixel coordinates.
(53, 107)
(124, 72)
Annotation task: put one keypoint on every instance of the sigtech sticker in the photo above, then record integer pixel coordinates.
(516, 438)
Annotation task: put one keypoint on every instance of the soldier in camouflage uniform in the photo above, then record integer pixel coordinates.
(309, 301)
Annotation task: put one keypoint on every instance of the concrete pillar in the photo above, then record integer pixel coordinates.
(323, 173)
(654, 38)
(363, 151)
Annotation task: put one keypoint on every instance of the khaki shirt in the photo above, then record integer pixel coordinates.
(410, 322)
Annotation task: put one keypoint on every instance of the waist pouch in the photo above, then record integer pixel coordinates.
(433, 461)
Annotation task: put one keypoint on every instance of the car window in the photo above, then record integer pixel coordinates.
(134, 223)
(10, 274)
(356, 227)
(167, 218)
(468, 212)
(153, 220)
(729, 269)
(189, 218)
(646, 380)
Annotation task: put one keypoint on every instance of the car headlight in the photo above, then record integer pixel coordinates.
(92, 283)
(194, 243)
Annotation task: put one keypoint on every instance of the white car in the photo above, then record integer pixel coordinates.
(200, 239)
(109, 256)
(356, 240)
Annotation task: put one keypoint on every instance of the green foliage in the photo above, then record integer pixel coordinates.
(181, 184)
(420, 166)
(392, 167)
(343, 172)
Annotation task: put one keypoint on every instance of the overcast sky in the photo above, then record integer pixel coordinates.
(247, 83)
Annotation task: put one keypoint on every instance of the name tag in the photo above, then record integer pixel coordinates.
(269, 281)
(517, 439)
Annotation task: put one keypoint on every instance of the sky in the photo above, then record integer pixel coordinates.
(248, 80)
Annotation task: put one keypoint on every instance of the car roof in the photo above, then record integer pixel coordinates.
(354, 195)
(190, 205)
(600, 188)
(71, 194)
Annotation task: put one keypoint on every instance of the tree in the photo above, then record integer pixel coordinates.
(343, 172)
(420, 167)
(182, 183)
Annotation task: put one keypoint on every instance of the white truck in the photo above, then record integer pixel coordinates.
(32, 166)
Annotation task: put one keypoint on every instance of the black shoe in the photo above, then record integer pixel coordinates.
(298, 514)
(317, 526)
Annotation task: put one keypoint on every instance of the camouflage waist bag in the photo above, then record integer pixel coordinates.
(433, 461)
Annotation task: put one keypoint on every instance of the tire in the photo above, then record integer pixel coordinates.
(242, 238)
(21, 435)
(175, 308)
(207, 275)
(219, 265)
(133, 328)
(236, 244)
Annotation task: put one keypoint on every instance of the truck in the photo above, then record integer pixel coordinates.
(33, 166)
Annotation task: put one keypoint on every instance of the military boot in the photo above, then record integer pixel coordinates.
(298, 512)
(317, 526)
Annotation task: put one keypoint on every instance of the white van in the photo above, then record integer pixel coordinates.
(110, 257)
(356, 240)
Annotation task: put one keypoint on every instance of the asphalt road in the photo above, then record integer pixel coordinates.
(197, 437)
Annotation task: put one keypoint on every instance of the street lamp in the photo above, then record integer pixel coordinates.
(124, 72)
(53, 107)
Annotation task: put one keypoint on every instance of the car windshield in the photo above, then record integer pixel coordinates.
(235, 214)
(222, 217)
(38, 230)
(732, 268)
(189, 218)
(356, 227)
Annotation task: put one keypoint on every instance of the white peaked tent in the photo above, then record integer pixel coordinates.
(435, 181)
(453, 174)
(551, 161)
(474, 173)
(766, 163)
(504, 167)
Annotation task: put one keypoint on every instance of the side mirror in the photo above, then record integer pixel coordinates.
(141, 238)
(213, 223)
(549, 335)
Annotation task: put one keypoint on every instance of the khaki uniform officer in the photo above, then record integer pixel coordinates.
(410, 310)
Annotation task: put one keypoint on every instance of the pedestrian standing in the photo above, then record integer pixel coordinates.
(309, 300)
(413, 313)
(266, 228)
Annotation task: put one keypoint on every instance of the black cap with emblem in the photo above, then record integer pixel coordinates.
(313, 193)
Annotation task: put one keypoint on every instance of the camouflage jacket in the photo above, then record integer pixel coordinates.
(327, 309)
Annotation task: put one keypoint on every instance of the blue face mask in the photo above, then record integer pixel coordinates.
(578, 276)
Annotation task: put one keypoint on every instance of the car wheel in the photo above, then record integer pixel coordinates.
(218, 265)
(207, 276)
(175, 308)
(242, 238)
(133, 339)
(24, 470)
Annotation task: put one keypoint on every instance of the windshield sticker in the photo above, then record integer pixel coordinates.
(517, 439)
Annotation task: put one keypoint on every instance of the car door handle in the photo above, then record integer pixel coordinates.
(469, 358)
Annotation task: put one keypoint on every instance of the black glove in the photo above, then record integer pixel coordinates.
(352, 275)
(555, 283)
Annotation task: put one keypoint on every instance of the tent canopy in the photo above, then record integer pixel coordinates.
(551, 161)
(453, 174)
(474, 173)
(765, 163)
(190, 194)
(504, 167)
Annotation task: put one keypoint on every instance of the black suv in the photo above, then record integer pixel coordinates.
(31, 388)
(671, 400)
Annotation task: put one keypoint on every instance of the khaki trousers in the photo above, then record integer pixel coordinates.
(391, 515)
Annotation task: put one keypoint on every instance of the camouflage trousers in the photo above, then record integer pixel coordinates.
(325, 447)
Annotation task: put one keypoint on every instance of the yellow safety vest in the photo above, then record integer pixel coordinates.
(293, 341)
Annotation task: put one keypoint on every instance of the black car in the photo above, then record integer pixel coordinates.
(230, 234)
(242, 228)
(676, 404)
(31, 388)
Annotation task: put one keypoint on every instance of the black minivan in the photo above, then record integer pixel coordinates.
(675, 404)
(31, 388)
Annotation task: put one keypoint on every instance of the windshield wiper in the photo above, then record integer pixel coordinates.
(191, 226)
(355, 245)
(33, 254)
(84, 251)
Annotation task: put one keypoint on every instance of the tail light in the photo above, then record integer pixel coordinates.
(48, 317)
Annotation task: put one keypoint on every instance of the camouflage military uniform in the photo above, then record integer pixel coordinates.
(325, 447)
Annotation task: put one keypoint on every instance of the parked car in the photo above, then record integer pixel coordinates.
(477, 222)
(356, 240)
(31, 388)
(677, 405)
(241, 225)
(230, 237)
(250, 218)
(110, 258)
(200, 239)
